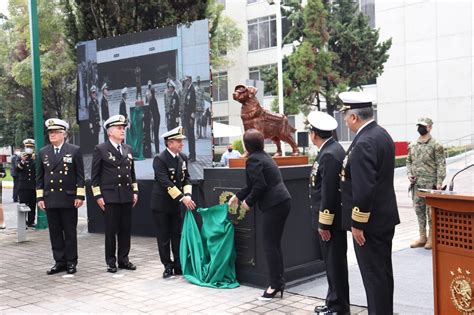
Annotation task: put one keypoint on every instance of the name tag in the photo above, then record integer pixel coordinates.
(67, 159)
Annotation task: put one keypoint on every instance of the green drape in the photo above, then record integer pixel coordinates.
(208, 258)
(135, 132)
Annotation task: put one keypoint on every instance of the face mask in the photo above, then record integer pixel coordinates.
(17, 153)
(230, 150)
(28, 150)
(422, 130)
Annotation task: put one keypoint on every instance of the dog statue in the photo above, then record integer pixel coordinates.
(273, 126)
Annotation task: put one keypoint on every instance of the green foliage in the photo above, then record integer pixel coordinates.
(334, 52)
(238, 145)
(225, 35)
(57, 70)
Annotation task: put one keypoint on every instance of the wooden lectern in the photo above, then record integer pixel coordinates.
(453, 251)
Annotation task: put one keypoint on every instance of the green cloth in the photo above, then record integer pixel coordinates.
(135, 132)
(208, 258)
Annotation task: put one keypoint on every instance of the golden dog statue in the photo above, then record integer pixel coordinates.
(273, 126)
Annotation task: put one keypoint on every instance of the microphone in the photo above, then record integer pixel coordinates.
(451, 184)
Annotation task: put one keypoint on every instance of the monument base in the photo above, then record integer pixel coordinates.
(279, 160)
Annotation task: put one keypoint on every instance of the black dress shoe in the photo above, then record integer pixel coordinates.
(324, 310)
(71, 268)
(127, 266)
(178, 271)
(112, 268)
(168, 273)
(56, 268)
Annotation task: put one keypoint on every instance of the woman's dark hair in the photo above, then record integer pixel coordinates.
(253, 140)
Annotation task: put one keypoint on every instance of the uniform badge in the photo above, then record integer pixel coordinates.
(67, 159)
(314, 172)
(184, 167)
(111, 156)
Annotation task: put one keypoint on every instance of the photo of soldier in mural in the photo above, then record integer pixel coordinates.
(140, 78)
(104, 106)
(94, 116)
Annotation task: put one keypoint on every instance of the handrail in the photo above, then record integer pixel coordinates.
(458, 139)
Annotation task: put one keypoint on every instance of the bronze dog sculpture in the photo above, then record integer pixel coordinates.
(273, 126)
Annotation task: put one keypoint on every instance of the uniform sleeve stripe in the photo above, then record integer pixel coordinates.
(174, 192)
(135, 186)
(96, 191)
(358, 216)
(325, 217)
(188, 189)
(81, 191)
(39, 193)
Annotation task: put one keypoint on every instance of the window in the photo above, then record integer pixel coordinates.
(267, 74)
(219, 87)
(368, 8)
(224, 140)
(221, 2)
(262, 32)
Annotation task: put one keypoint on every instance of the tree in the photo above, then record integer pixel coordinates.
(359, 57)
(57, 69)
(95, 19)
(309, 66)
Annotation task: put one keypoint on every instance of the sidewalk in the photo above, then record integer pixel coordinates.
(26, 289)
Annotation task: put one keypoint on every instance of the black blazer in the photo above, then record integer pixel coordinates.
(113, 175)
(368, 194)
(325, 190)
(172, 181)
(264, 184)
(26, 171)
(60, 179)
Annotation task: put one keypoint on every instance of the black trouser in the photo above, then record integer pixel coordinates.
(62, 224)
(375, 264)
(156, 130)
(28, 197)
(191, 137)
(273, 222)
(335, 259)
(118, 227)
(15, 188)
(169, 225)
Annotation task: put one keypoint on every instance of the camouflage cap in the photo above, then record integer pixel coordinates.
(425, 121)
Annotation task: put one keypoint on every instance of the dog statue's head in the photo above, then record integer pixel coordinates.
(243, 93)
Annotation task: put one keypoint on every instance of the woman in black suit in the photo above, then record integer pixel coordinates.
(266, 189)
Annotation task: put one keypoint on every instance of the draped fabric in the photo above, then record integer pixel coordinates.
(208, 256)
(135, 132)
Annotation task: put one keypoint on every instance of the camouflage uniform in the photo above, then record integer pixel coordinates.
(426, 163)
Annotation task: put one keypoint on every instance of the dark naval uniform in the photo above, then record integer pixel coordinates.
(26, 186)
(104, 109)
(327, 215)
(60, 181)
(369, 204)
(113, 178)
(189, 110)
(172, 183)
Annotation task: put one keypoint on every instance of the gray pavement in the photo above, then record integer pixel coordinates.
(25, 287)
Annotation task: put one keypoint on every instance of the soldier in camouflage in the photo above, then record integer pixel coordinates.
(426, 168)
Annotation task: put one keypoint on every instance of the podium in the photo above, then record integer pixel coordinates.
(453, 251)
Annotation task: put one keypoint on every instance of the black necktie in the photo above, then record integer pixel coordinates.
(118, 149)
(56, 151)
